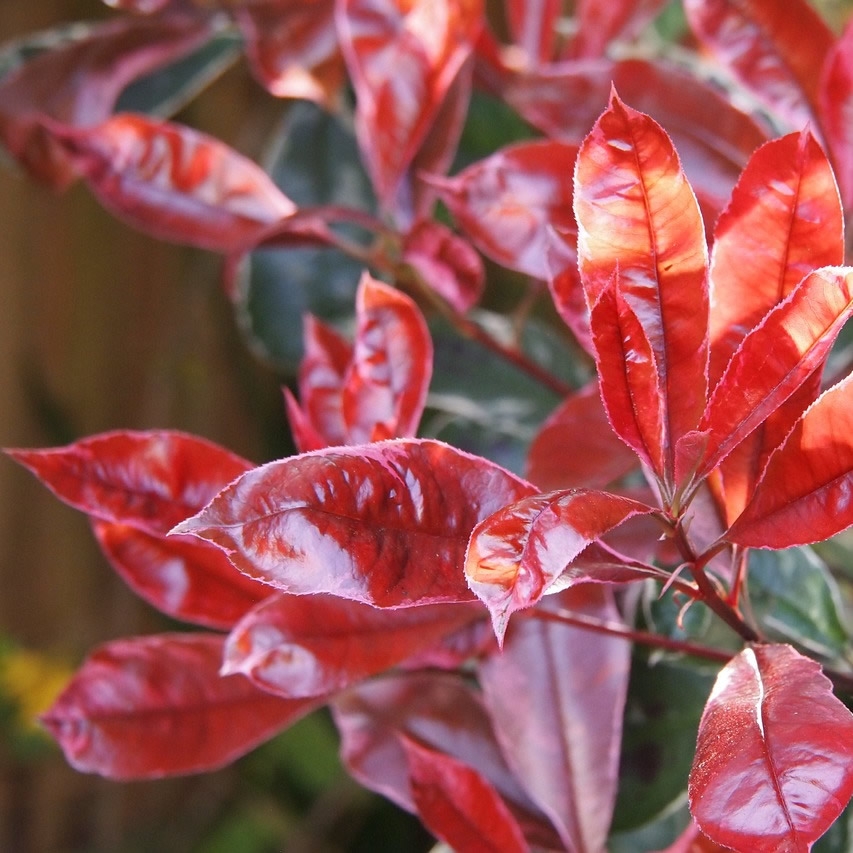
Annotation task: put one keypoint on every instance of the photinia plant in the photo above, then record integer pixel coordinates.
(489, 636)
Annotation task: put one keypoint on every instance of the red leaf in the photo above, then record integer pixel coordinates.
(292, 48)
(320, 421)
(78, 83)
(774, 763)
(628, 377)
(775, 359)
(175, 183)
(556, 696)
(148, 480)
(713, 138)
(600, 24)
(403, 58)
(803, 495)
(640, 233)
(182, 577)
(156, 706)
(386, 384)
(439, 711)
(576, 448)
(359, 522)
(521, 552)
(447, 263)
(373, 390)
(776, 50)
(458, 805)
(506, 202)
(533, 28)
(784, 220)
(835, 96)
(312, 645)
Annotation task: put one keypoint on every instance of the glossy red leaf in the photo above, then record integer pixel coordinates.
(180, 576)
(156, 706)
(576, 448)
(640, 234)
(175, 183)
(318, 421)
(148, 480)
(834, 104)
(522, 551)
(628, 377)
(386, 383)
(506, 202)
(78, 83)
(784, 220)
(713, 138)
(804, 494)
(774, 757)
(600, 24)
(776, 50)
(775, 359)
(384, 523)
(458, 805)
(446, 263)
(440, 711)
(292, 48)
(311, 645)
(403, 59)
(556, 696)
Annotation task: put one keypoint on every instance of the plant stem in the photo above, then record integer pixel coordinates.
(710, 596)
(616, 629)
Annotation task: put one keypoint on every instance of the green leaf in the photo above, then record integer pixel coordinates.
(315, 161)
(168, 90)
(795, 598)
(665, 702)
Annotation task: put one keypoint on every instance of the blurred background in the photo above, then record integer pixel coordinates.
(102, 328)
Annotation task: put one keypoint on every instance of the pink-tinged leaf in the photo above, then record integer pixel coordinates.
(693, 841)
(386, 384)
(455, 650)
(556, 696)
(440, 711)
(322, 374)
(806, 491)
(149, 480)
(446, 263)
(292, 48)
(179, 575)
(458, 805)
(576, 448)
(834, 110)
(311, 645)
(384, 523)
(640, 233)
(175, 183)
(713, 138)
(533, 28)
(775, 359)
(775, 50)
(600, 24)
(403, 59)
(774, 757)
(79, 83)
(521, 552)
(156, 706)
(506, 203)
(784, 220)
